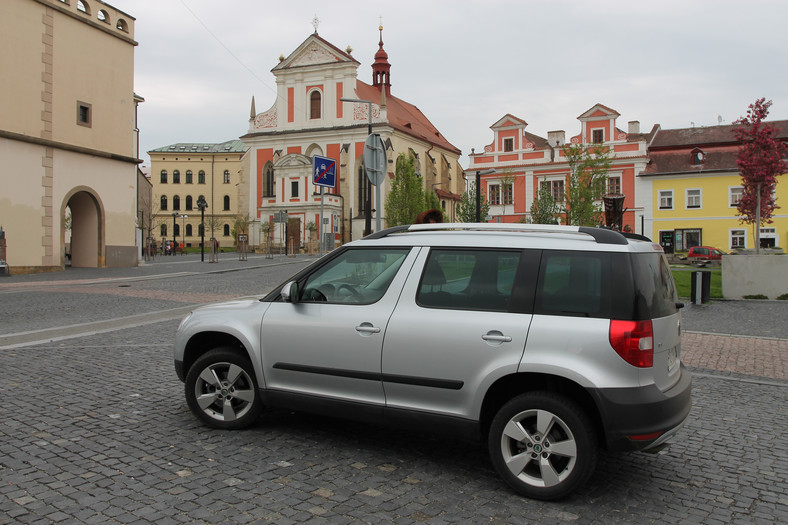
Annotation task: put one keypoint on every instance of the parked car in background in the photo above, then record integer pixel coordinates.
(705, 252)
(546, 343)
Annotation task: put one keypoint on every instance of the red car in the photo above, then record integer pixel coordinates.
(705, 252)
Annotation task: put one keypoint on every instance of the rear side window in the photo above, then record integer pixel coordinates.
(469, 279)
(575, 284)
(655, 291)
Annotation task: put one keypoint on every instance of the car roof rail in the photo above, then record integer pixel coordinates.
(600, 235)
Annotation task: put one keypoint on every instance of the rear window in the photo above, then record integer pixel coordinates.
(605, 285)
(655, 291)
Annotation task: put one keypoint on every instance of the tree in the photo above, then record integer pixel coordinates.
(466, 209)
(431, 201)
(588, 167)
(544, 209)
(240, 225)
(406, 197)
(760, 162)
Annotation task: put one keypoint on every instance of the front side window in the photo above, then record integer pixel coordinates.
(666, 199)
(694, 198)
(356, 276)
(466, 279)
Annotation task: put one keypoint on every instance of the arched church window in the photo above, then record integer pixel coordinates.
(314, 104)
(270, 186)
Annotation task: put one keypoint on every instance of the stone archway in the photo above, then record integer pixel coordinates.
(87, 229)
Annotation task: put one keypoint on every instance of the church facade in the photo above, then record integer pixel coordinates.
(323, 109)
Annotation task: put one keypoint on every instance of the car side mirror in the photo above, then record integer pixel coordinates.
(290, 292)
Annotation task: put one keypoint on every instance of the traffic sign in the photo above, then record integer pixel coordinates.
(375, 159)
(324, 171)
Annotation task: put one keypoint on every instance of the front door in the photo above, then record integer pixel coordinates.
(328, 342)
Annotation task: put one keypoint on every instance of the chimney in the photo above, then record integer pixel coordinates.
(634, 127)
(556, 138)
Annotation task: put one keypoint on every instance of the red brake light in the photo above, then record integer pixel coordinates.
(633, 341)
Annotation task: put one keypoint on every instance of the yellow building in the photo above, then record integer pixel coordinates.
(693, 184)
(181, 174)
(67, 134)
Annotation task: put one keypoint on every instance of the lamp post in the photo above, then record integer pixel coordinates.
(174, 225)
(183, 230)
(368, 200)
(479, 191)
(201, 204)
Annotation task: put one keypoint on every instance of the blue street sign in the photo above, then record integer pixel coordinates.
(324, 171)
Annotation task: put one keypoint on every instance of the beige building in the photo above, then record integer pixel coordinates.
(181, 174)
(310, 118)
(67, 134)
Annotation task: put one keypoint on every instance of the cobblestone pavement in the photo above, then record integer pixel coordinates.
(95, 429)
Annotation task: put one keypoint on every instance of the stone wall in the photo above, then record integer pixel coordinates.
(754, 274)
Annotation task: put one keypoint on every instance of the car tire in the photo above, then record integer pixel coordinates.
(543, 445)
(221, 390)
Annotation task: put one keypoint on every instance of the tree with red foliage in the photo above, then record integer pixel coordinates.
(760, 161)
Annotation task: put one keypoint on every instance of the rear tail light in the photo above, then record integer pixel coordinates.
(633, 341)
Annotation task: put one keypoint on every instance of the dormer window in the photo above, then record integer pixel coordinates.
(508, 144)
(697, 157)
(598, 136)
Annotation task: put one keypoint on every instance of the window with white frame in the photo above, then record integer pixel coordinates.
(507, 193)
(508, 144)
(665, 199)
(614, 184)
(598, 136)
(494, 194)
(734, 195)
(693, 198)
(556, 188)
(738, 239)
(768, 237)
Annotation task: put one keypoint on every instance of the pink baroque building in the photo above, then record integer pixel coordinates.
(524, 161)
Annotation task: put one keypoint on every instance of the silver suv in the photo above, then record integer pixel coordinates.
(548, 343)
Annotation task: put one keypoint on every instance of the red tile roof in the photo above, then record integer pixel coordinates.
(406, 117)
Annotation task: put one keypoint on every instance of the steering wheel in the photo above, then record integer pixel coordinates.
(354, 293)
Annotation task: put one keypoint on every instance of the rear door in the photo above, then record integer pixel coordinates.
(460, 324)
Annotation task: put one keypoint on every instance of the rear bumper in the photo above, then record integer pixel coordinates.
(643, 418)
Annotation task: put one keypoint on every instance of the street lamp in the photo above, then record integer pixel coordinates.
(183, 230)
(368, 200)
(201, 204)
(479, 191)
(174, 225)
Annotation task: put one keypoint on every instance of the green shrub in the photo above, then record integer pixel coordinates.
(783, 297)
(756, 296)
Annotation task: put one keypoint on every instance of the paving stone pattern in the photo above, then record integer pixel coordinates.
(96, 430)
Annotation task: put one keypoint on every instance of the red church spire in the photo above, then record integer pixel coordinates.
(381, 75)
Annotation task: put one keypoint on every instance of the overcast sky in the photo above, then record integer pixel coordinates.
(466, 64)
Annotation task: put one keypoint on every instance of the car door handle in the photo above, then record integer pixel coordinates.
(367, 328)
(497, 337)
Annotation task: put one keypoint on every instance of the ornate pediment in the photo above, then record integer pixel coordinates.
(315, 51)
